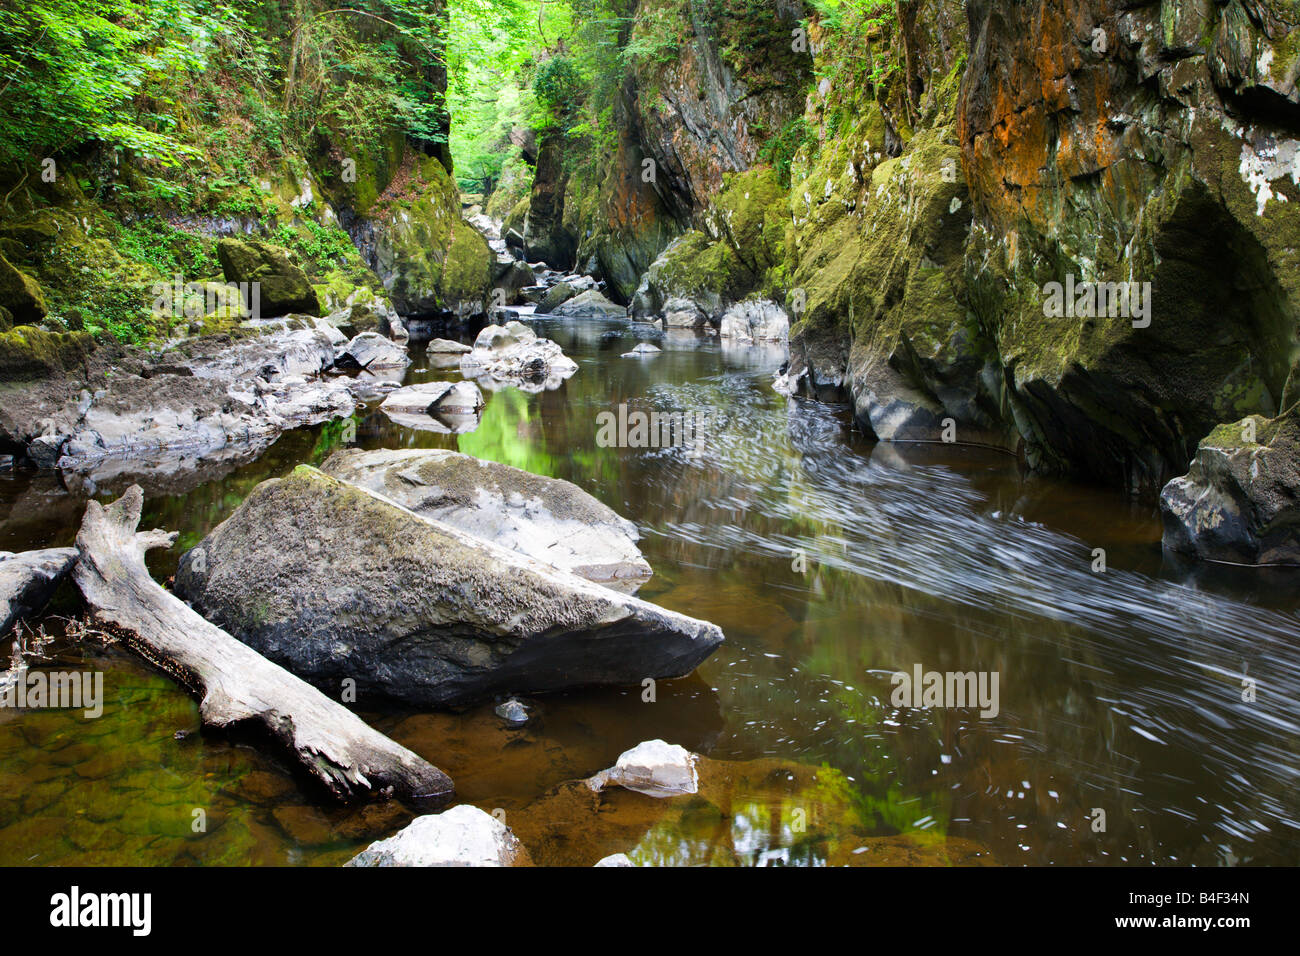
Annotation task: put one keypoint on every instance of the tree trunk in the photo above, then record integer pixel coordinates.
(236, 685)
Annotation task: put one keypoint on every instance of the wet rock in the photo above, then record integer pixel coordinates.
(756, 320)
(682, 313)
(461, 836)
(589, 305)
(654, 768)
(446, 347)
(371, 350)
(614, 859)
(436, 398)
(282, 286)
(643, 350)
(457, 406)
(512, 712)
(333, 581)
(548, 519)
(1240, 500)
(28, 581)
(203, 401)
(554, 297)
(513, 355)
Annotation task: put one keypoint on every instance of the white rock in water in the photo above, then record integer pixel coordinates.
(461, 836)
(655, 768)
(451, 408)
(512, 712)
(513, 355)
(643, 350)
(615, 859)
(445, 347)
(436, 398)
(759, 320)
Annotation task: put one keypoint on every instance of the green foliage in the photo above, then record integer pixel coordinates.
(72, 68)
(169, 250)
(780, 150)
(558, 86)
(320, 248)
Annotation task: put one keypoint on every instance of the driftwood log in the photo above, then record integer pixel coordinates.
(235, 685)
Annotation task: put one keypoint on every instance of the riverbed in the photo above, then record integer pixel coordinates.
(830, 564)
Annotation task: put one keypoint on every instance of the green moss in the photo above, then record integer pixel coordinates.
(28, 353)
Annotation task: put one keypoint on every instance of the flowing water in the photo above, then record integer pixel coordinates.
(1121, 734)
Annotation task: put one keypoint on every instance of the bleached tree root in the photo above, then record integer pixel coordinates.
(235, 685)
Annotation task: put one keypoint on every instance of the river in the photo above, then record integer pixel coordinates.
(830, 564)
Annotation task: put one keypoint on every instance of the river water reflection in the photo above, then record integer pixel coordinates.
(829, 564)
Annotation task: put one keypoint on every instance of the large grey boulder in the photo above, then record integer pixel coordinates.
(461, 836)
(551, 520)
(370, 350)
(589, 305)
(28, 581)
(333, 581)
(1240, 500)
(679, 313)
(513, 355)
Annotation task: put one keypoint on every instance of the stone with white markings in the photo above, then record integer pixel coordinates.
(655, 768)
(461, 836)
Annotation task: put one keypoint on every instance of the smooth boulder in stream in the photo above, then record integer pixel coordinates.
(335, 582)
(28, 580)
(551, 520)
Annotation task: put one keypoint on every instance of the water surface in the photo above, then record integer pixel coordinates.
(1120, 690)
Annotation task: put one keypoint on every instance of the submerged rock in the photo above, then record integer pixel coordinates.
(513, 355)
(655, 768)
(1240, 501)
(333, 581)
(461, 836)
(28, 581)
(551, 520)
(644, 350)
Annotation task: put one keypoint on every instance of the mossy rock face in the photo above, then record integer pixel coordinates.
(20, 294)
(282, 286)
(1240, 500)
(362, 318)
(6, 319)
(28, 353)
(430, 261)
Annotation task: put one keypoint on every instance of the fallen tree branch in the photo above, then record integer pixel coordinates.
(235, 685)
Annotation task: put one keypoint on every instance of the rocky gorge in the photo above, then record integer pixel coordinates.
(973, 298)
